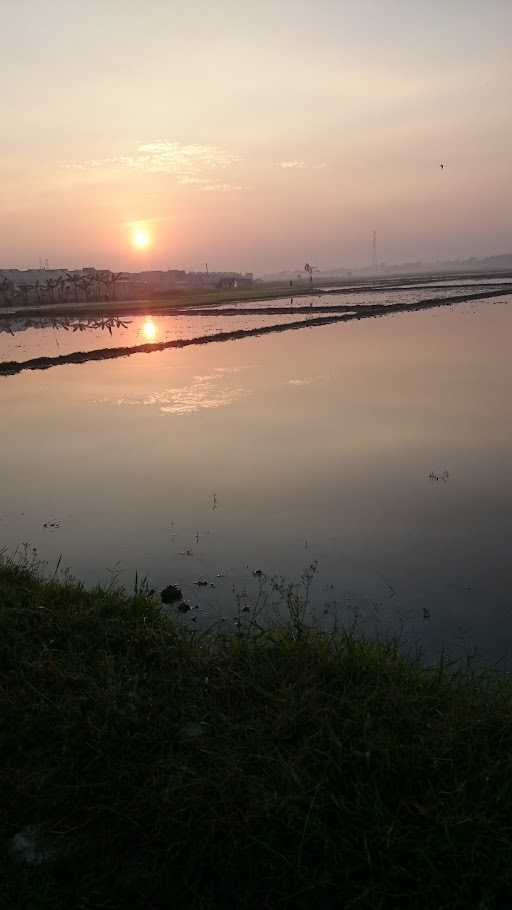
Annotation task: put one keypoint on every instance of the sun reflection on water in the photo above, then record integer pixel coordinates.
(149, 329)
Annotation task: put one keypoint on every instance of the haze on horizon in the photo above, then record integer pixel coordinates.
(252, 136)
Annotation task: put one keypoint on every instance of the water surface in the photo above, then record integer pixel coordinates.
(380, 449)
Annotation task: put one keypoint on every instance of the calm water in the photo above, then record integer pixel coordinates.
(21, 339)
(363, 298)
(380, 449)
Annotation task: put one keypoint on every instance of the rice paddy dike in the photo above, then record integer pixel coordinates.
(330, 315)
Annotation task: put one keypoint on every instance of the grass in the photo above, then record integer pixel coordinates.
(287, 769)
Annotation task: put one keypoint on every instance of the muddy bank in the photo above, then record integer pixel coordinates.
(184, 301)
(10, 368)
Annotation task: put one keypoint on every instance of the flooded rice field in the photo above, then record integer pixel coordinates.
(365, 297)
(373, 455)
(22, 338)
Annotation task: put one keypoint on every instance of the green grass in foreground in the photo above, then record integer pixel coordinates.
(287, 770)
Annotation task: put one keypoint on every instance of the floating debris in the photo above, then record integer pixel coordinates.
(439, 478)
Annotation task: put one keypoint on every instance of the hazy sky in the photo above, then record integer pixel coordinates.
(254, 135)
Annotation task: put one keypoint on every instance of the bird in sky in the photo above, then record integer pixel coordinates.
(441, 166)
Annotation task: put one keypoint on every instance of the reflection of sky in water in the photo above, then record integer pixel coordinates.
(22, 338)
(362, 298)
(51, 341)
(210, 391)
(379, 448)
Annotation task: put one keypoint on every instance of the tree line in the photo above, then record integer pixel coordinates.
(72, 286)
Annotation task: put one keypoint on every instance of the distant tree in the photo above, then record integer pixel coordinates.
(60, 287)
(6, 290)
(114, 278)
(105, 280)
(85, 283)
(50, 287)
(24, 291)
(309, 271)
(74, 281)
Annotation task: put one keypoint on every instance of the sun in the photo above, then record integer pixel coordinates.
(141, 238)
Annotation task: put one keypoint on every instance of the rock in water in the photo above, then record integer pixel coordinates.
(171, 594)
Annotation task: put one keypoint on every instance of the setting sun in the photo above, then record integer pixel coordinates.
(141, 238)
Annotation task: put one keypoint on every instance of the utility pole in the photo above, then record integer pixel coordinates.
(374, 249)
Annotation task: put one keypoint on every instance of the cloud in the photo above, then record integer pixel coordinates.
(308, 381)
(300, 166)
(221, 188)
(289, 165)
(183, 160)
(190, 164)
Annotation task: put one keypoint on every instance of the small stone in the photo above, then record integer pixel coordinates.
(171, 594)
(31, 847)
(193, 729)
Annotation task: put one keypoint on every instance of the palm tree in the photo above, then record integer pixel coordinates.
(105, 280)
(50, 287)
(24, 291)
(59, 287)
(6, 289)
(74, 280)
(114, 279)
(85, 284)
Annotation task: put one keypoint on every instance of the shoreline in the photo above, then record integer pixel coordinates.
(11, 368)
(169, 302)
(143, 765)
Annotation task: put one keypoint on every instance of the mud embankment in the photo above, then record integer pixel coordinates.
(10, 368)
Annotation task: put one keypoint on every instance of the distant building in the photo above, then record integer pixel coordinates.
(47, 286)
